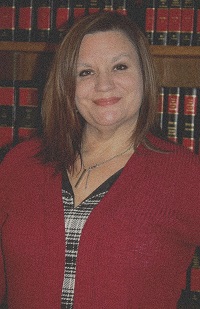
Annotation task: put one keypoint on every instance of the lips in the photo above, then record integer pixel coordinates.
(107, 101)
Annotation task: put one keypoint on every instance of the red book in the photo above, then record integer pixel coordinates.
(63, 17)
(162, 21)
(44, 20)
(79, 8)
(25, 20)
(94, 6)
(197, 24)
(121, 7)
(150, 16)
(7, 113)
(27, 114)
(173, 105)
(189, 118)
(174, 28)
(7, 20)
(187, 23)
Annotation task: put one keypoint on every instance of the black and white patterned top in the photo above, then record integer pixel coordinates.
(75, 218)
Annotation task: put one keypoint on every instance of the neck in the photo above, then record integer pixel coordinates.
(101, 142)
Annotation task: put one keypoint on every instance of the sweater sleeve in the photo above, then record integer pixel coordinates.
(10, 168)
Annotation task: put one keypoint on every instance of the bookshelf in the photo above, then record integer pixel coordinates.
(176, 66)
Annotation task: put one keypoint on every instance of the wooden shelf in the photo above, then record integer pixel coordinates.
(157, 50)
(28, 46)
(175, 51)
(177, 66)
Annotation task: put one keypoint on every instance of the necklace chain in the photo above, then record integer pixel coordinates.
(90, 168)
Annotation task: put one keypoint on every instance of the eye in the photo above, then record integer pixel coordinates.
(120, 67)
(85, 73)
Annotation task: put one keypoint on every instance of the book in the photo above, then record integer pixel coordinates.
(108, 5)
(7, 20)
(121, 6)
(197, 23)
(187, 23)
(174, 27)
(63, 19)
(150, 16)
(25, 20)
(189, 122)
(94, 6)
(173, 107)
(79, 8)
(162, 109)
(162, 21)
(7, 112)
(27, 109)
(45, 20)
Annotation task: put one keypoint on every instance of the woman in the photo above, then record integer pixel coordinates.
(99, 212)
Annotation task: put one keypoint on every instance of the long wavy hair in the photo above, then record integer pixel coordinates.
(62, 125)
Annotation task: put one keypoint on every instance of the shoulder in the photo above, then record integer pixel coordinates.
(22, 161)
(23, 150)
(173, 154)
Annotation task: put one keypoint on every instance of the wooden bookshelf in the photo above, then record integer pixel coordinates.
(176, 66)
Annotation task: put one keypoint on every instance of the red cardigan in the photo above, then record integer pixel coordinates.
(134, 246)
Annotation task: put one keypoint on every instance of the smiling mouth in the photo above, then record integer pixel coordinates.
(107, 101)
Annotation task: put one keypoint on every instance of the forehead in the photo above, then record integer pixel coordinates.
(104, 43)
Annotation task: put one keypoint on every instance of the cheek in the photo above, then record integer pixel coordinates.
(83, 89)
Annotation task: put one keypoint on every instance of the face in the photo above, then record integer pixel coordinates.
(109, 82)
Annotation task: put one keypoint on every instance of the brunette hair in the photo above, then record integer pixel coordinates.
(62, 125)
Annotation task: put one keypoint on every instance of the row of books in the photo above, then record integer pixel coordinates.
(19, 110)
(178, 112)
(35, 20)
(179, 115)
(173, 22)
(165, 22)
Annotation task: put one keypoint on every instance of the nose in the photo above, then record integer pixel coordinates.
(104, 82)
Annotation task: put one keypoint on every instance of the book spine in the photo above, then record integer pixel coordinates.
(137, 12)
(197, 23)
(7, 113)
(7, 20)
(27, 109)
(25, 20)
(108, 5)
(79, 8)
(187, 23)
(121, 7)
(161, 107)
(162, 20)
(44, 20)
(94, 6)
(174, 29)
(150, 16)
(173, 105)
(189, 118)
(63, 18)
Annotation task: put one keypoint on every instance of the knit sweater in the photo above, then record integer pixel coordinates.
(135, 245)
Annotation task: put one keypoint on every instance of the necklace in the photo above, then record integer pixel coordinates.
(90, 168)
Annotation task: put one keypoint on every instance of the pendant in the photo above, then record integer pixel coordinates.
(80, 178)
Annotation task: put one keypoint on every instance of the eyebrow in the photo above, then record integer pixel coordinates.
(114, 59)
